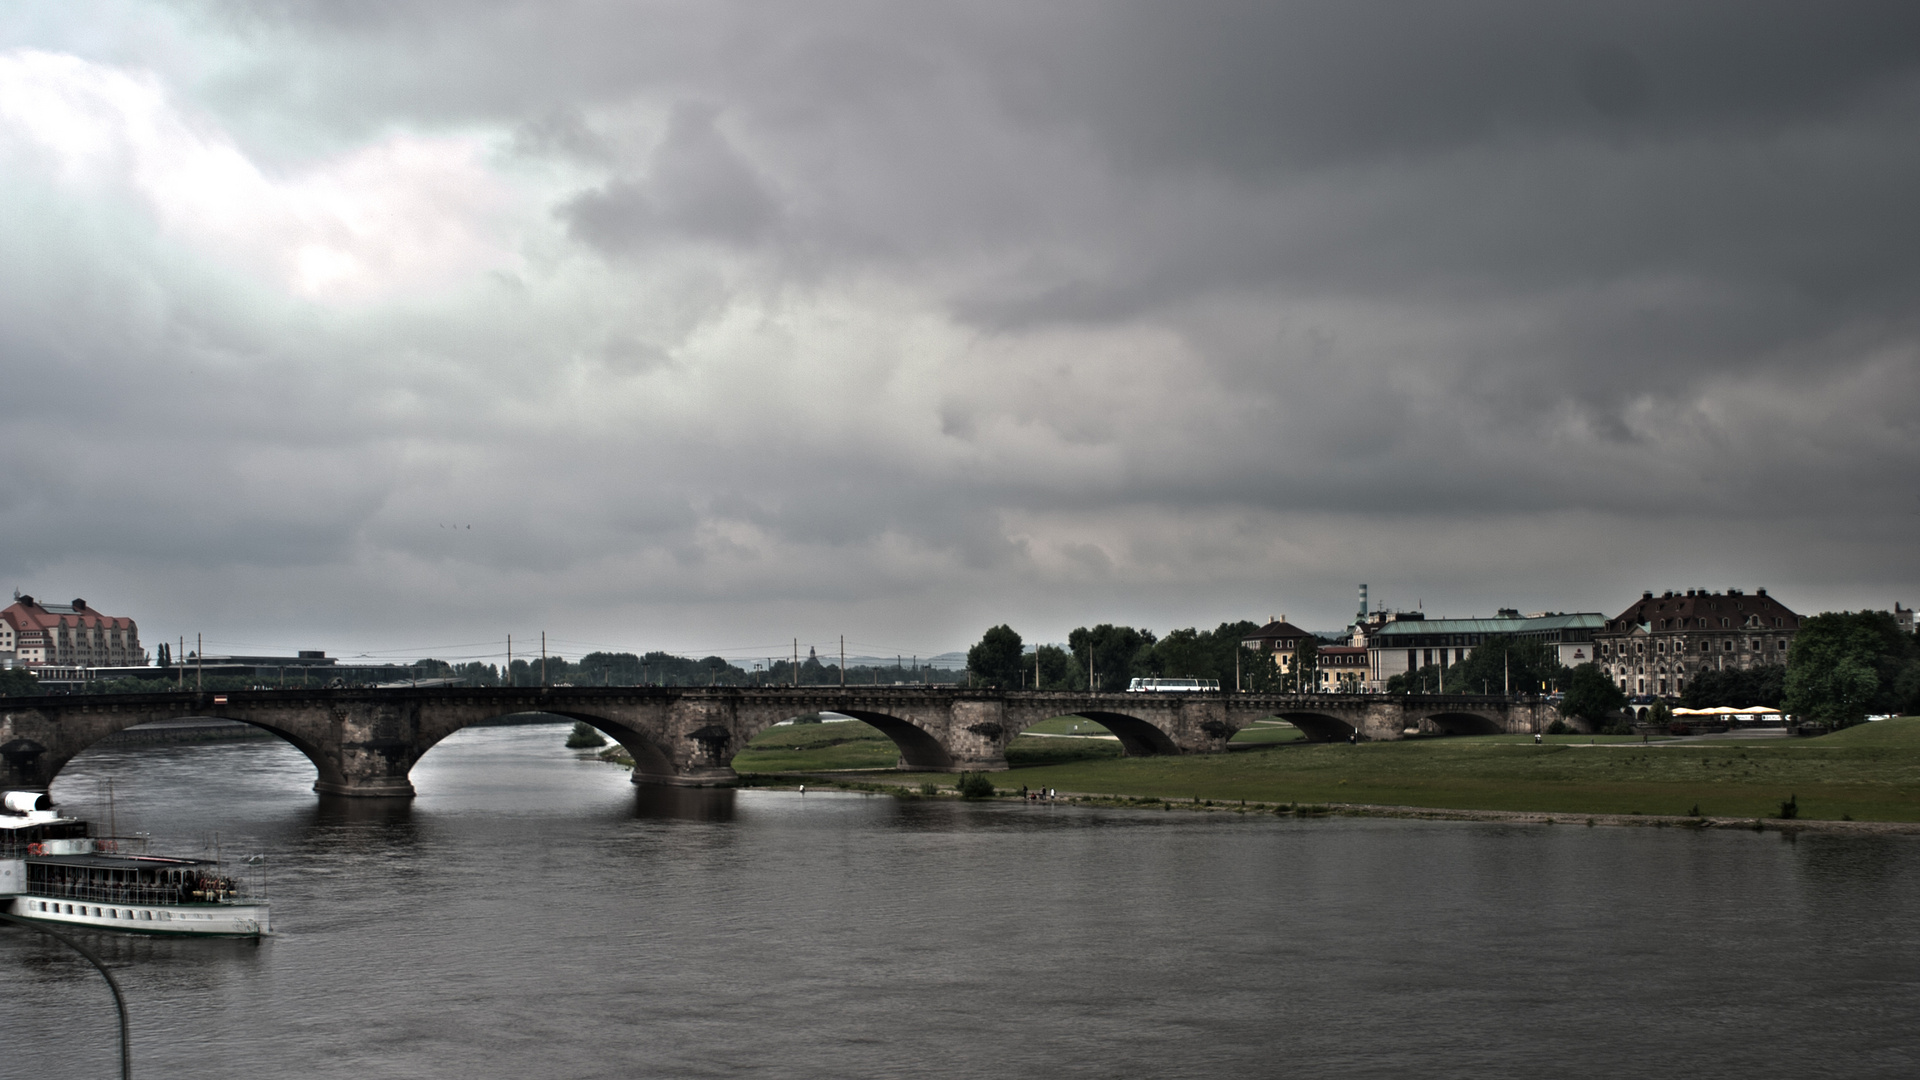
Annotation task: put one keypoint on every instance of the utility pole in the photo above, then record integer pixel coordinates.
(199, 661)
(796, 662)
(843, 659)
(182, 665)
(1036, 666)
(543, 659)
(1506, 674)
(508, 681)
(1236, 669)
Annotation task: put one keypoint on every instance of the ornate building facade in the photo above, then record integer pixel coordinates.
(33, 634)
(1658, 644)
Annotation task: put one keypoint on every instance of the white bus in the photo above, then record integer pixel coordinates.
(1173, 686)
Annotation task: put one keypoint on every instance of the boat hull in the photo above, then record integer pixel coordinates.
(189, 920)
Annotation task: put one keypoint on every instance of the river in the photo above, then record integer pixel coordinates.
(532, 914)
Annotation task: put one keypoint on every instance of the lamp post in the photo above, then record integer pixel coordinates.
(119, 999)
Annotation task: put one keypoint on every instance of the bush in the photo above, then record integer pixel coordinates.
(584, 737)
(975, 785)
(929, 788)
(1559, 727)
(1790, 809)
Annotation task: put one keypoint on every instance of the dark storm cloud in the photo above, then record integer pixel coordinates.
(1018, 304)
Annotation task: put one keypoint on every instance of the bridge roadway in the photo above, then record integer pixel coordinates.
(365, 741)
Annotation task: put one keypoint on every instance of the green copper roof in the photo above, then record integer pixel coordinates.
(1584, 620)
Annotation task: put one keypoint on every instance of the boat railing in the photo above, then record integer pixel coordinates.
(137, 894)
(104, 845)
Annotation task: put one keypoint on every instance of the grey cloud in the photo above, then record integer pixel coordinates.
(696, 187)
(1210, 302)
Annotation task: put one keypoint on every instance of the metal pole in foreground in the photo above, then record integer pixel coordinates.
(119, 999)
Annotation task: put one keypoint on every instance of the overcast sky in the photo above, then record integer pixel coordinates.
(703, 326)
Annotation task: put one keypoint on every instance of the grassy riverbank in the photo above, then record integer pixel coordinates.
(848, 745)
(1867, 773)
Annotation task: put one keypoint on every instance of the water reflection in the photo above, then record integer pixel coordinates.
(664, 802)
(334, 810)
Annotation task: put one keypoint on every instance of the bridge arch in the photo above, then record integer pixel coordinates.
(650, 759)
(919, 748)
(49, 763)
(1319, 727)
(1138, 737)
(1465, 723)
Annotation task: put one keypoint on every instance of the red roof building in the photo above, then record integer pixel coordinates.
(67, 635)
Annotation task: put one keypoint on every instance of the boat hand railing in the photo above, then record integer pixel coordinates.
(133, 894)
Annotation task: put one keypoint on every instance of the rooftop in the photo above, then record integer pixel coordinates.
(1510, 624)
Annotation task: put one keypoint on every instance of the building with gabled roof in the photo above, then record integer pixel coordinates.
(33, 634)
(1660, 642)
(1281, 640)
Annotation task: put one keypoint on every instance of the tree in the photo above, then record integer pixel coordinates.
(1203, 654)
(1424, 681)
(1057, 669)
(1737, 688)
(1845, 665)
(1502, 661)
(997, 660)
(1591, 695)
(1116, 652)
(1306, 666)
(1659, 715)
(18, 682)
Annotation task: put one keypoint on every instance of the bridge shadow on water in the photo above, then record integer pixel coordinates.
(664, 802)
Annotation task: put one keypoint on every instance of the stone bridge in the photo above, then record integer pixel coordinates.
(366, 741)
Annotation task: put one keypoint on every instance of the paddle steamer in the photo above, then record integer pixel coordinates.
(53, 870)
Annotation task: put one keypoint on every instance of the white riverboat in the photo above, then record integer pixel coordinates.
(53, 870)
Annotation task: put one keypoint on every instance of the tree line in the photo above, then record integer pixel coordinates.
(1843, 667)
(1106, 658)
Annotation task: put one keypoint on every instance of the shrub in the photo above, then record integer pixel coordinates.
(1790, 809)
(929, 788)
(975, 785)
(584, 737)
(1559, 727)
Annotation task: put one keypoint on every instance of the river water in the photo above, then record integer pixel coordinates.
(532, 914)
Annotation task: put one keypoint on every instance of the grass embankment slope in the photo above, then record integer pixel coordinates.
(1870, 772)
(848, 745)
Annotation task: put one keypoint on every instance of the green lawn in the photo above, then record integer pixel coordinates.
(841, 744)
(1869, 772)
(1264, 732)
